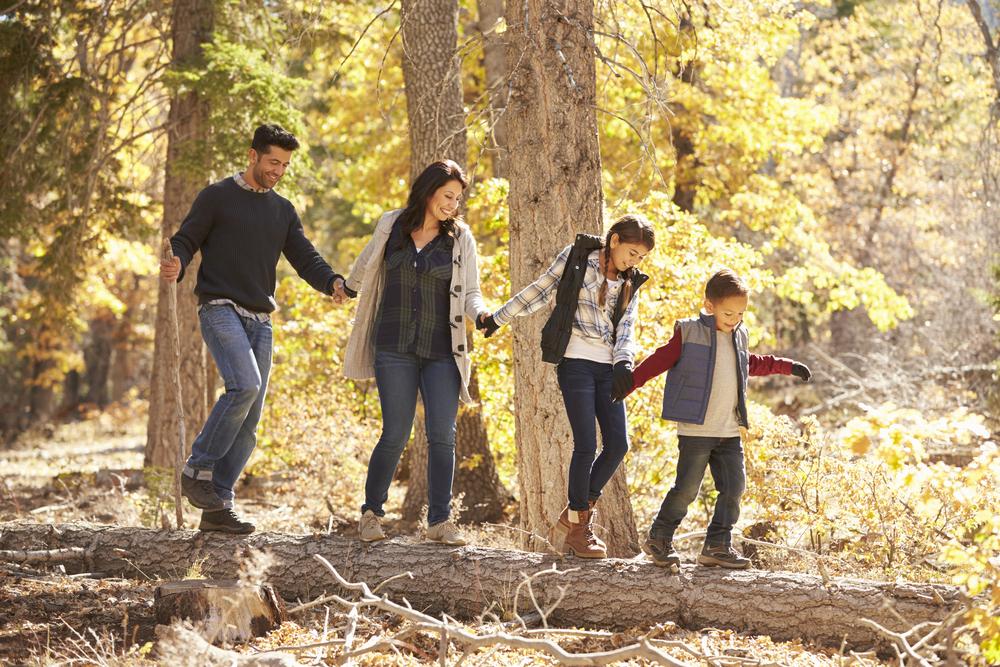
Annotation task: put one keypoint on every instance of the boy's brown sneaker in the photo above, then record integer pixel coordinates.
(370, 528)
(661, 551)
(722, 555)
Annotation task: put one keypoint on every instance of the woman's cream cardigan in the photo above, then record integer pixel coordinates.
(368, 279)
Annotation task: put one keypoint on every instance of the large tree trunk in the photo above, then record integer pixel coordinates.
(555, 192)
(192, 25)
(432, 75)
(611, 593)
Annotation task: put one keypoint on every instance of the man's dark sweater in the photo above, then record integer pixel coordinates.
(241, 235)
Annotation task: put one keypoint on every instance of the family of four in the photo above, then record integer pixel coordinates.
(416, 284)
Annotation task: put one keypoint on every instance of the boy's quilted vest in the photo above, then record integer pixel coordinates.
(689, 382)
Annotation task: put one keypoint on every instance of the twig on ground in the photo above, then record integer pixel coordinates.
(43, 556)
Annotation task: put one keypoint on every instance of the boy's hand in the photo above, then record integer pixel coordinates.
(621, 381)
(800, 370)
(487, 325)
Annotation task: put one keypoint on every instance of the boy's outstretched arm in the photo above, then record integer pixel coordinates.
(660, 361)
(767, 364)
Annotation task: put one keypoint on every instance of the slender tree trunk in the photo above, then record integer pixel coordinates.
(432, 74)
(495, 65)
(192, 25)
(433, 78)
(122, 362)
(97, 358)
(555, 192)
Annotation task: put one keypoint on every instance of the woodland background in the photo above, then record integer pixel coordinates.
(843, 155)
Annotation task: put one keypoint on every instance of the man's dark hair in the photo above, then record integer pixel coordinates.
(269, 134)
(724, 284)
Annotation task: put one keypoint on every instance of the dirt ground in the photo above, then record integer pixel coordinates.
(90, 470)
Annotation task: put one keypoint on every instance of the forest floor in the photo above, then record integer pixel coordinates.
(86, 471)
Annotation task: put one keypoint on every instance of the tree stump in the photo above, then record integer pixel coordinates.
(230, 611)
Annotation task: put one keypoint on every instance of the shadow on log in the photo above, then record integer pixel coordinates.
(613, 594)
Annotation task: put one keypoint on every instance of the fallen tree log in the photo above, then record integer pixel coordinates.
(463, 582)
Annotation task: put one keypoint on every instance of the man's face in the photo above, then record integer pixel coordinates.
(268, 167)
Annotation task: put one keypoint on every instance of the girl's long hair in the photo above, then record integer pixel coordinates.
(630, 228)
(434, 176)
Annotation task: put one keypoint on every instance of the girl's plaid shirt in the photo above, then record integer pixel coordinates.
(591, 319)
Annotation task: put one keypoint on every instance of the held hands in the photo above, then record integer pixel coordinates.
(622, 381)
(802, 371)
(487, 325)
(170, 269)
(339, 294)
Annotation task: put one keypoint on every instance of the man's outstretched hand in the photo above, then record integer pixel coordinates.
(170, 269)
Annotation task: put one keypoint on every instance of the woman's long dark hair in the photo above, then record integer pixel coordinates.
(426, 184)
(630, 228)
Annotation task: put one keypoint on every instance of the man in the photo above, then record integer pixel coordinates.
(241, 226)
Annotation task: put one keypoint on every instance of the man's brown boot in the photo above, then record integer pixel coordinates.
(600, 542)
(580, 541)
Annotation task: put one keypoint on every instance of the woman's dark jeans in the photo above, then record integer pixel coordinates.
(586, 390)
(399, 377)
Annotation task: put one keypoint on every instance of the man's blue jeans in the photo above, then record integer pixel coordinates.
(399, 377)
(724, 457)
(586, 391)
(241, 347)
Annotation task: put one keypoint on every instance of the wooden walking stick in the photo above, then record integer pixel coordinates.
(173, 333)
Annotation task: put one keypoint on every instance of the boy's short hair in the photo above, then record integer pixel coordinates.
(270, 134)
(724, 284)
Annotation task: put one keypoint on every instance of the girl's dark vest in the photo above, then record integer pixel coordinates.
(559, 327)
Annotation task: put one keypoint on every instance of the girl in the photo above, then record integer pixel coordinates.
(590, 335)
(418, 280)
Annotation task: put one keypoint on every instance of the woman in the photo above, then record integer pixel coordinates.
(417, 280)
(591, 336)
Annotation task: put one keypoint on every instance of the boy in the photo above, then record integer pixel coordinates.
(705, 394)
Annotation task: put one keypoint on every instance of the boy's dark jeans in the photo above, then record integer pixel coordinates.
(724, 457)
(586, 390)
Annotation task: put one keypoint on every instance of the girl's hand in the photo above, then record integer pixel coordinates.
(487, 325)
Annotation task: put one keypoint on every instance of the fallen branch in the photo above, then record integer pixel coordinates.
(449, 631)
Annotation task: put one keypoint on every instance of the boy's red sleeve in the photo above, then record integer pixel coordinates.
(767, 364)
(660, 361)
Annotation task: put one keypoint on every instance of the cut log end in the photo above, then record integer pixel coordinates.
(231, 612)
